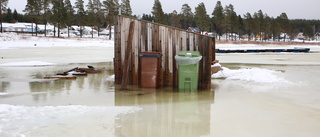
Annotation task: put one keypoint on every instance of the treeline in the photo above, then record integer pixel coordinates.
(225, 20)
(222, 20)
(62, 13)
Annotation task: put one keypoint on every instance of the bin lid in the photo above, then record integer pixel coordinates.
(189, 53)
(150, 54)
(188, 57)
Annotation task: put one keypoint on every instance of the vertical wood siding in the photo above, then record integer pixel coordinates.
(148, 36)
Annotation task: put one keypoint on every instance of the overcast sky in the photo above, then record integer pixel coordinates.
(295, 9)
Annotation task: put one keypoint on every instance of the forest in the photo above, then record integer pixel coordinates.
(222, 20)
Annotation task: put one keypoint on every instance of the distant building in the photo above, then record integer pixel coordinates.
(317, 36)
(45, 28)
(14, 27)
(194, 29)
(300, 36)
(22, 27)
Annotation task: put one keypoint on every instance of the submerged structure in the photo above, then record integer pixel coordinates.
(133, 37)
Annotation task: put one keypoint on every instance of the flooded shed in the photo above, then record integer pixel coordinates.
(133, 36)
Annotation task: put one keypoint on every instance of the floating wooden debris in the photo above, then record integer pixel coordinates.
(90, 69)
(76, 72)
(61, 77)
(67, 72)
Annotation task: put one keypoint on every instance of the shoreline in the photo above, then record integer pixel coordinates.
(314, 43)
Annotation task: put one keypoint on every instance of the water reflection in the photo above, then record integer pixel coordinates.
(25, 85)
(164, 113)
(51, 88)
(3, 86)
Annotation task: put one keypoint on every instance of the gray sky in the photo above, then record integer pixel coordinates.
(295, 9)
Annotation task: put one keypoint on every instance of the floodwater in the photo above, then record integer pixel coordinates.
(231, 108)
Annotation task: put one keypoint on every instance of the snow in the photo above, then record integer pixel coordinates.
(3, 94)
(45, 51)
(13, 40)
(250, 74)
(34, 121)
(27, 64)
(216, 65)
(111, 78)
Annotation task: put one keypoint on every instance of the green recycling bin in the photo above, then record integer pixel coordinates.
(188, 70)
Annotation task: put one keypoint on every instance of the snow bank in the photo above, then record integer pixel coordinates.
(27, 64)
(14, 40)
(3, 94)
(251, 75)
(59, 120)
(111, 78)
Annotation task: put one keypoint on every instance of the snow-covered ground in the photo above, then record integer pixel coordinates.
(24, 121)
(27, 50)
(14, 40)
(251, 75)
(24, 50)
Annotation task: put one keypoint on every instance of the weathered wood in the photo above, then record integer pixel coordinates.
(184, 41)
(170, 58)
(61, 77)
(118, 51)
(127, 61)
(149, 36)
(135, 53)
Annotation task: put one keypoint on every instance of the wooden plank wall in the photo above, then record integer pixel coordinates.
(168, 40)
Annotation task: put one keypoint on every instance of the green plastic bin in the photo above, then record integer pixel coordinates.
(188, 70)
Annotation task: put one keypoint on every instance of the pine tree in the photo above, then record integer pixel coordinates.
(69, 14)
(100, 16)
(112, 9)
(46, 13)
(275, 28)
(249, 25)
(158, 13)
(15, 15)
(59, 13)
(284, 24)
(255, 25)
(126, 8)
(241, 26)
(186, 16)
(95, 14)
(147, 17)
(267, 27)
(230, 19)
(202, 19)
(33, 9)
(260, 20)
(3, 5)
(218, 17)
(91, 13)
(80, 14)
(9, 16)
(174, 19)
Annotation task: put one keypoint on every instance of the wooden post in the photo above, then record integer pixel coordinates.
(128, 57)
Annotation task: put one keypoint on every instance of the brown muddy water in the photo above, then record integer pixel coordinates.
(231, 108)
